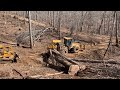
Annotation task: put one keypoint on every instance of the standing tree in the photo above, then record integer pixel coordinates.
(82, 20)
(99, 28)
(59, 23)
(48, 19)
(53, 24)
(81, 28)
(36, 16)
(30, 31)
(116, 29)
(113, 27)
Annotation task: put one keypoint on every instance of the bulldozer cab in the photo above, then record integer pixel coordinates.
(68, 41)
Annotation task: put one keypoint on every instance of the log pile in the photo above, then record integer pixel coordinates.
(72, 67)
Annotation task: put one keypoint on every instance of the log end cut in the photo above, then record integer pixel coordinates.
(73, 69)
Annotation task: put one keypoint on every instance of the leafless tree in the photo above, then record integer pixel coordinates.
(99, 28)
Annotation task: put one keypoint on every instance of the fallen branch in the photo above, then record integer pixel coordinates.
(47, 75)
(18, 72)
(54, 74)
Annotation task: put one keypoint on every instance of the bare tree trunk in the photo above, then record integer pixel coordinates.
(48, 19)
(31, 35)
(89, 29)
(26, 14)
(81, 28)
(116, 29)
(59, 24)
(99, 28)
(104, 25)
(108, 26)
(36, 16)
(71, 30)
(81, 21)
(53, 19)
(110, 34)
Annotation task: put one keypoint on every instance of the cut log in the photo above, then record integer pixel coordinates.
(97, 61)
(88, 39)
(73, 69)
(71, 66)
(59, 55)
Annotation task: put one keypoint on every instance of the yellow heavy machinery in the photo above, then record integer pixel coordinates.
(7, 54)
(68, 45)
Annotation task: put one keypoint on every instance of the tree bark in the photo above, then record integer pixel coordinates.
(71, 67)
(30, 31)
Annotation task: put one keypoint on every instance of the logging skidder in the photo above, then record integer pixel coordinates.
(67, 46)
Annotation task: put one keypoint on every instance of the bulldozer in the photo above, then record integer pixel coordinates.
(67, 45)
(7, 54)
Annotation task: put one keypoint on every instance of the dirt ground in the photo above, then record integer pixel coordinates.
(29, 65)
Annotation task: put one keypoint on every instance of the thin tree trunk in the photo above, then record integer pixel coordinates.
(81, 21)
(36, 16)
(48, 15)
(53, 19)
(116, 29)
(99, 28)
(81, 28)
(104, 25)
(30, 31)
(108, 26)
(110, 35)
(50, 18)
(59, 24)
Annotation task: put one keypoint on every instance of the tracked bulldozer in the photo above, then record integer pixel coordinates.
(67, 45)
(7, 54)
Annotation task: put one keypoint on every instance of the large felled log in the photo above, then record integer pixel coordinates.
(97, 61)
(88, 39)
(71, 67)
